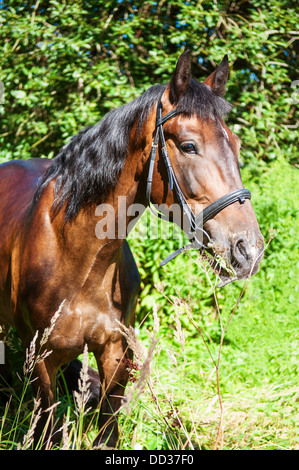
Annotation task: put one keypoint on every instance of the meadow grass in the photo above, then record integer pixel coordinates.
(198, 394)
(209, 375)
(175, 405)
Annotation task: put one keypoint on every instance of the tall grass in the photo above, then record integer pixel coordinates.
(170, 402)
(212, 369)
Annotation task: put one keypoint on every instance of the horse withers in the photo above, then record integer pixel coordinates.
(51, 258)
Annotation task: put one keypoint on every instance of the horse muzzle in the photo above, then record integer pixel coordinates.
(238, 258)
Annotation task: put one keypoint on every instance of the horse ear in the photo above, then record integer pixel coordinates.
(181, 78)
(217, 80)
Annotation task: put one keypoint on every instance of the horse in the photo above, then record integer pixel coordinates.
(169, 146)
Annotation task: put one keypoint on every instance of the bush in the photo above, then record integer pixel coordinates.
(65, 64)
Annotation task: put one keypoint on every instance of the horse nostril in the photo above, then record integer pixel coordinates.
(241, 248)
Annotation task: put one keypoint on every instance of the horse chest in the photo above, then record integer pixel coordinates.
(85, 324)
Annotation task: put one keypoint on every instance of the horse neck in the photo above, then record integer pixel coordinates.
(129, 190)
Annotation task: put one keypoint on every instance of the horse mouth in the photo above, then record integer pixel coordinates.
(230, 270)
(225, 274)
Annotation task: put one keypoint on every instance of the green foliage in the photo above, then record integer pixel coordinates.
(65, 64)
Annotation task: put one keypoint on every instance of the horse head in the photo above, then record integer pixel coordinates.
(202, 153)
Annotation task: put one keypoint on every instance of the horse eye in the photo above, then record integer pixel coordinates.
(188, 148)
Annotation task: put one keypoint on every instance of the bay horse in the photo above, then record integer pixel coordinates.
(168, 146)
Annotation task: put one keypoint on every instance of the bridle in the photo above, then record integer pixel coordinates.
(195, 222)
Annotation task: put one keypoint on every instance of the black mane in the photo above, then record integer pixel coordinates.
(88, 167)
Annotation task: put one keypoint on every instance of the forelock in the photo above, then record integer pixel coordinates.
(202, 101)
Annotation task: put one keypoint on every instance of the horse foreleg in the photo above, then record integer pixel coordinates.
(44, 386)
(113, 372)
(70, 383)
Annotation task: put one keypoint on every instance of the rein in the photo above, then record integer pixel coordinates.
(196, 222)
